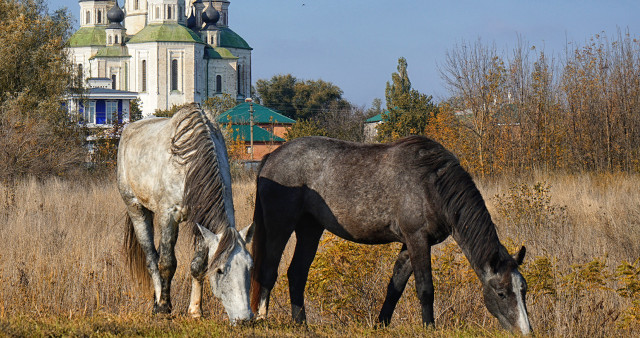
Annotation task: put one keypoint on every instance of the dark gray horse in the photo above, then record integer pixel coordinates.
(412, 191)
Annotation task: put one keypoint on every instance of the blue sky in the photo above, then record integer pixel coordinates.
(355, 44)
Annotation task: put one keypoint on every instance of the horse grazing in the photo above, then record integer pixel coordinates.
(412, 191)
(175, 170)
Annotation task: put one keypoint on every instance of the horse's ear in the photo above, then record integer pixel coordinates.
(247, 232)
(210, 239)
(519, 257)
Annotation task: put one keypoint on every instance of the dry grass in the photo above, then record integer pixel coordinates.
(62, 270)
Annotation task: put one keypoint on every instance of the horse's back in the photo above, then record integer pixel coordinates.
(144, 159)
(358, 191)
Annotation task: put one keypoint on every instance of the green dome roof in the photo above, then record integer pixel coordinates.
(88, 36)
(218, 53)
(167, 32)
(231, 39)
(112, 52)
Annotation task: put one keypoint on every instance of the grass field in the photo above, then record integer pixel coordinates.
(62, 268)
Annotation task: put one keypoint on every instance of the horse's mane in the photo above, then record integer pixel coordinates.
(462, 205)
(193, 146)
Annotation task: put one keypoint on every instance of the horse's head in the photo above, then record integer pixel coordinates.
(230, 281)
(504, 291)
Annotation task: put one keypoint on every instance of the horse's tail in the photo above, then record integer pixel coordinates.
(258, 250)
(136, 258)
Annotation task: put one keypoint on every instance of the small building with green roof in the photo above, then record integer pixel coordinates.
(371, 126)
(169, 52)
(269, 128)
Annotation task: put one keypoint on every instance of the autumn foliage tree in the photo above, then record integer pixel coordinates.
(512, 113)
(36, 137)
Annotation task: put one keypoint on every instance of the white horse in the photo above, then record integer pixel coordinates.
(176, 170)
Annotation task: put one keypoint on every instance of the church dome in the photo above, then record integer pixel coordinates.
(210, 16)
(115, 14)
(191, 20)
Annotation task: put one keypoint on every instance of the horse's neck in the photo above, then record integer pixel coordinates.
(479, 243)
(208, 114)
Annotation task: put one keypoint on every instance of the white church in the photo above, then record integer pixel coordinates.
(165, 52)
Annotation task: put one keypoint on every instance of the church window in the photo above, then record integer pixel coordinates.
(144, 75)
(168, 12)
(88, 17)
(80, 70)
(174, 74)
(136, 4)
(116, 39)
(99, 17)
(157, 12)
(113, 81)
(111, 112)
(109, 40)
(218, 83)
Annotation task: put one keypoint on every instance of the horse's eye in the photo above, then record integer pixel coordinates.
(501, 294)
(219, 271)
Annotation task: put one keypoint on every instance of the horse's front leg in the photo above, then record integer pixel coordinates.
(198, 269)
(308, 233)
(167, 261)
(420, 256)
(402, 270)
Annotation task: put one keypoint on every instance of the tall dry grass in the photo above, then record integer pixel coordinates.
(60, 255)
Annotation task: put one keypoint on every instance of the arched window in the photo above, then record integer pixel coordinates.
(80, 70)
(109, 42)
(157, 12)
(174, 74)
(168, 12)
(99, 16)
(144, 75)
(136, 4)
(88, 17)
(116, 39)
(218, 83)
(113, 81)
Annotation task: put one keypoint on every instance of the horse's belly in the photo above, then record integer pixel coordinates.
(366, 231)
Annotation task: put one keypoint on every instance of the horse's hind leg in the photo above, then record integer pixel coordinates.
(402, 270)
(167, 262)
(420, 256)
(142, 220)
(308, 233)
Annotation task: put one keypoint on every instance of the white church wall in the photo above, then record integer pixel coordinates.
(226, 68)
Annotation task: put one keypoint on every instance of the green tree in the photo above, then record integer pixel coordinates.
(304, 128)
(375, 109)
(408, 110)
(314, 97)
(36, 136)
(299, 99)
(278, 93)
(135, 110)
(220, 104)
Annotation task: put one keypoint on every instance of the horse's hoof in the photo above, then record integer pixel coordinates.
(195, 315)
(161, 310)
